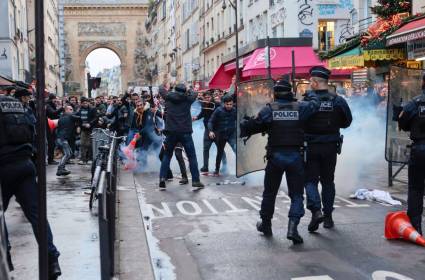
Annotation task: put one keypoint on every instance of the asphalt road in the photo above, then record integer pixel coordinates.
(211, 234)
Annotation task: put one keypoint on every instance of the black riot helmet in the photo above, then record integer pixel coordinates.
(283, 90)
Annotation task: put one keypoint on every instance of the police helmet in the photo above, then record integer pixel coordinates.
(21, 92)
(283, 90)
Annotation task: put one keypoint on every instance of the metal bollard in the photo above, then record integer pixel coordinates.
(104, 236)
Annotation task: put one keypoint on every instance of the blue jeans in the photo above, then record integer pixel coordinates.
(18, 179)
(279, 162)
(170, 143)
(63, 145)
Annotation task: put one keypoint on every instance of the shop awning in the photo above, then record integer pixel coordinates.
(5, 82)
(231, 66)
(411, 31)
(281, 61)
(221, 79)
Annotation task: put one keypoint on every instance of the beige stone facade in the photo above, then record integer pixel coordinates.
(51, 44)
(119, 28)
(218, 28)
(204, 35)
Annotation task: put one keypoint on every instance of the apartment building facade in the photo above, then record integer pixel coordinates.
(14, 55)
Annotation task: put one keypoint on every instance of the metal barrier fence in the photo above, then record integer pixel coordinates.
(106, 195)
(100, 138)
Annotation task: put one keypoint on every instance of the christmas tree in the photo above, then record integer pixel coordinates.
(387, 8)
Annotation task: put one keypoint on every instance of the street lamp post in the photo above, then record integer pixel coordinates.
(234, 5)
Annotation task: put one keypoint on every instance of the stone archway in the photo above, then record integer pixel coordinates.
(115, 27)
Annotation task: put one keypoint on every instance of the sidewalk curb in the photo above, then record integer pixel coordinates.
(133, 255)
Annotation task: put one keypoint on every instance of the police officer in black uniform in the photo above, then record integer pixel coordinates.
(324, 143)
(283, 121)
(412, 118)
(17, 171)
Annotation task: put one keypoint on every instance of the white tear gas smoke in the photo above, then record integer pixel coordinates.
(362, 152)
(147, 159)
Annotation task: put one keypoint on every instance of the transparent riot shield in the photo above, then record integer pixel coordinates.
(404, 84)
(252, 96)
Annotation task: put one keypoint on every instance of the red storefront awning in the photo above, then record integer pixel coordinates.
(231, 66)
(281, 61)
(221, 79)
(5, 82)
(412, 31)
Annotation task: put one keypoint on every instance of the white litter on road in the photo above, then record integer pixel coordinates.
(375, 195)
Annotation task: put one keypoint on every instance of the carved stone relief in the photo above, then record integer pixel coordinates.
(83, 45)
(101, 29)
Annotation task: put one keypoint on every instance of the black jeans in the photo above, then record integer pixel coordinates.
(51, 139)
(178, 152)
(206, 149)
(221, 140)
(18, 179)
(416, 177)
(320, 167)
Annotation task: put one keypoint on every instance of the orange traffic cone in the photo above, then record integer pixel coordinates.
(397, 225)
(128, 151)
(52, 124)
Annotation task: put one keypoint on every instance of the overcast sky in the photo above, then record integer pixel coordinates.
(100, 59)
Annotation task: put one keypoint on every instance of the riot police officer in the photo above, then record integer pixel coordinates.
(17, 171)
(283, 121)
(412, 118)
(324, 143)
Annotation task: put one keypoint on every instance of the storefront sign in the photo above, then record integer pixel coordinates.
(416, 49)
(413, 64)
(384, 54)
(346, 61)
(407, 37)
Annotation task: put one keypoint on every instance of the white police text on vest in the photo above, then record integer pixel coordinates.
(285, 115)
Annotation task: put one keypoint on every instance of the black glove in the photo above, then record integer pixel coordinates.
(396, 112)
(243, 128)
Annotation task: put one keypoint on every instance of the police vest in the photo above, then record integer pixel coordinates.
(417, 129)
(325, 121)
(15, 128)
(286, 128)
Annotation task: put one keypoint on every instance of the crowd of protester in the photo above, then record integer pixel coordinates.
(72, 119)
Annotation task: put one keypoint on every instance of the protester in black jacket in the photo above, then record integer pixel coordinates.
(88, 120)
(222, 127)
(178, 128)
(65, 132)
(208, 107)
(52, 112)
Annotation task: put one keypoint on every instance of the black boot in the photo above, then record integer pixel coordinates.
(184, 180)
(417, 224)
(328, 221)
(62, 172)
(293, 232)
(265, 226)
(316, 220)
(204, 169)
(54, 269)
(162, 185)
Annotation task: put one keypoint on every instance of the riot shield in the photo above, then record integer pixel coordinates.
(252, 96)
(404, 84)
